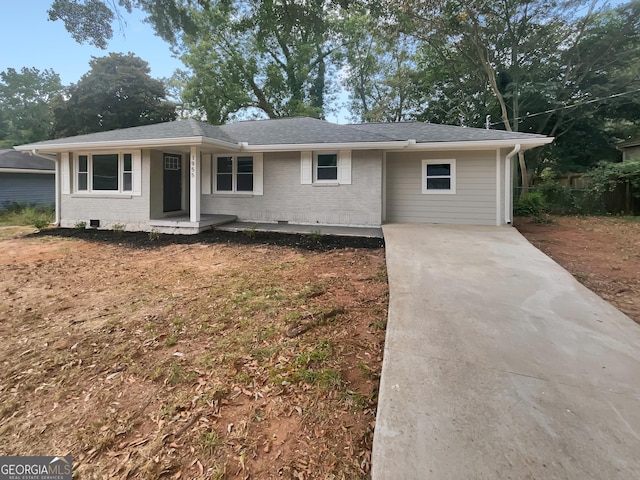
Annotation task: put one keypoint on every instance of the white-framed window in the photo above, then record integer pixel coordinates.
(104, 172)
(233, 174)
(325, 167)
(439, 176)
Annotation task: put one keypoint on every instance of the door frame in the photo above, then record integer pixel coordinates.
(181, 182)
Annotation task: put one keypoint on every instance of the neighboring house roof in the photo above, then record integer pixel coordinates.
(13, 161)
(289, 133)
(634, 142)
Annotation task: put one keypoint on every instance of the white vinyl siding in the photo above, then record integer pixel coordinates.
(474, 202)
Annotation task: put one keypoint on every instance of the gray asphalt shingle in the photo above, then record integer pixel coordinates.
(176, 129)
(11, 159)
(433, 132)
(298, 130)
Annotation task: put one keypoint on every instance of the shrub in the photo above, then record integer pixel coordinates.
(529, 205)
(23, 214)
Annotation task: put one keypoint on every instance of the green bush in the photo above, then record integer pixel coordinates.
(529, 205)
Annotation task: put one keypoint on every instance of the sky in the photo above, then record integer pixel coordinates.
(29, 39)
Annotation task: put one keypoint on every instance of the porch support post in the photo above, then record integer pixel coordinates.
(194, 185)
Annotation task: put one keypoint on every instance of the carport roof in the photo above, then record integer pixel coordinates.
(285, 132)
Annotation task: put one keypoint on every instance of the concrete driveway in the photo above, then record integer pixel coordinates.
(498, 364)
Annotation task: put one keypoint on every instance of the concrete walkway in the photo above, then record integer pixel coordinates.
(372, 232)
(499, 365)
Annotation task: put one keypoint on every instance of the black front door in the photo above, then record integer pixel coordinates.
(172, 181)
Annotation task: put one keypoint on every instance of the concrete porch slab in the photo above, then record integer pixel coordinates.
(182, 224)
(184, 221)
(370, 232)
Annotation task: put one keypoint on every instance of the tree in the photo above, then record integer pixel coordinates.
(528, 63)
(381, 74)
(271, 58)
(25, 114)
(116, 93)
(89, 21)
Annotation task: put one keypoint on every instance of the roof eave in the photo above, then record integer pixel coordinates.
(628, 144)
(120, 144)
(285, 147)
(525, 143)
(26, 170)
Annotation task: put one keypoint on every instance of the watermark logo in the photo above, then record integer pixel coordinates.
(35, 468)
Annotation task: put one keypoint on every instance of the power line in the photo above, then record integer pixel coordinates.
(570, 106)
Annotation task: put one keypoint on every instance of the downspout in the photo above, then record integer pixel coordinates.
(508, 186)
(34, 152)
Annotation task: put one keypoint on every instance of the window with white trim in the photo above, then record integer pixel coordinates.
(233, 174)
(439, 176)
(104, 172)
(325, 167)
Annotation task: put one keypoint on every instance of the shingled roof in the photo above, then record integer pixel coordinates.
(298, 130)
(168, 130)
(287, 131)
(16, 160)
(432, 132)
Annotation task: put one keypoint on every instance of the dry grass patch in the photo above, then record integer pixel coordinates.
(191, 361)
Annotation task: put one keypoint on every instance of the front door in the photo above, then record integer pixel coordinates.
(172, 182)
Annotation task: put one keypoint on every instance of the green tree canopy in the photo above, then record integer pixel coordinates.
(271, 58)
(25, 114)
(567, 69)
(116, 93)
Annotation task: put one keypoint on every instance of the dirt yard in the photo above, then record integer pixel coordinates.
(603, 253)
(226, 356)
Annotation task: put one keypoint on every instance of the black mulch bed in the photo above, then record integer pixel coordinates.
(143, 240)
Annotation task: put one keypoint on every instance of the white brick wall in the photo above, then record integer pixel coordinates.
(130, 211)
(286, 199)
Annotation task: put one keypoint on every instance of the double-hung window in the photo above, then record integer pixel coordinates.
(325, 166)
(105, 172)
(234, 174)
(439, 176)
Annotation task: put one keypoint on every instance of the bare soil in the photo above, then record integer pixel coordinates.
(603, 253)
(233, 356)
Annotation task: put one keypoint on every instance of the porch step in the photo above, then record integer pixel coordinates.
(183, 221)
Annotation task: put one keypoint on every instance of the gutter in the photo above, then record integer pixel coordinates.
(27, 170)
(121, 144)
(508, 183)
(296, 147)
(480, 144)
